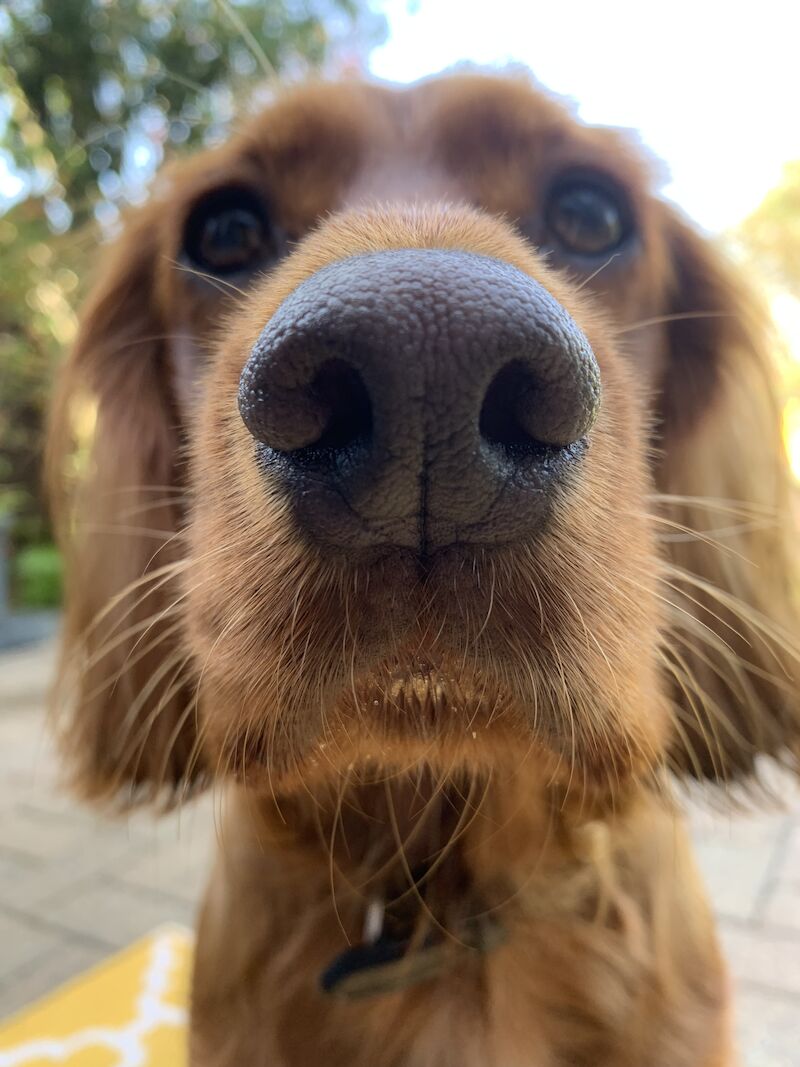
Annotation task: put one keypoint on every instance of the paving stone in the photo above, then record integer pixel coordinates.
(782, 905)
(25, 675)
(17, 871)
(179, 867)
(117, 913)
(768, 1028)
(736, 856)
(63, 959)
(790, 862)
(765, 956)
(25, 746)
(21, 941)
(190, 821)
(37, 836)
(751, 825)
(15, 867)
(34, 888)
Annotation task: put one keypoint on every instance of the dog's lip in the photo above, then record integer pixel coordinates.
(413, 715)
(390, 719)
(427, 684)
(421, 683)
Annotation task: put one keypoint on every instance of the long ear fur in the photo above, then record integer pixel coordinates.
(123, 702)
(723, 473)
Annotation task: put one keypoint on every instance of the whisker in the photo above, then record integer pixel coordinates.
(742, 508)
(677, 317)
(599, 270)
(218, 283)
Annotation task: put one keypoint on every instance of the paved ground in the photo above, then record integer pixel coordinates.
(74, 888)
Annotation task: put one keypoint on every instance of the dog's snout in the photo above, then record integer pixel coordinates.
(419, 398)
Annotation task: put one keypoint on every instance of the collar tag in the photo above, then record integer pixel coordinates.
(386, 964)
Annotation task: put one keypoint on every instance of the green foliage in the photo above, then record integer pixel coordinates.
(92, 95)
(772, 233)
(35, 322)
(769, 239)
(36, 577)
(107, 84)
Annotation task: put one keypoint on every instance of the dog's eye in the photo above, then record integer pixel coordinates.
(587, 218)
(228, 232)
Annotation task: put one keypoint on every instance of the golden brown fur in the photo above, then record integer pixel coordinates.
(512, 714)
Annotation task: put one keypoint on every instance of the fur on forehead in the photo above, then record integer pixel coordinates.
(324, 133)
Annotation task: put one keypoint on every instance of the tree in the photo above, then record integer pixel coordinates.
(770, 242)
(771, 234)
(92, 95)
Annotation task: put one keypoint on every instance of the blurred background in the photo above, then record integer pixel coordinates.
(95, 93)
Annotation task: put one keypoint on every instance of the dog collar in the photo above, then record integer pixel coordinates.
(390, 958)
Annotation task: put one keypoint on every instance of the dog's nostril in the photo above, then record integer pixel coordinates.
(525, 411)
(507, 415)
(339, 392)
(304, 416)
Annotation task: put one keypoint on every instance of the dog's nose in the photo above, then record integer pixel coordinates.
(420, 398)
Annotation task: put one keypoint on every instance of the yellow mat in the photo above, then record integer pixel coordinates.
(130, 1011)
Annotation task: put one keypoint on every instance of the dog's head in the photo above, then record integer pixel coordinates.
(425, 434)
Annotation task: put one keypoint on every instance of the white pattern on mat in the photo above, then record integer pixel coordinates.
(126, 1041)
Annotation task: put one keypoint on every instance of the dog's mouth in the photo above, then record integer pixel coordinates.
(479, 664)
(426, 696)
(411, 712)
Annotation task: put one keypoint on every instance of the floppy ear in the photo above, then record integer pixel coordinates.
(122, 697)
(733, 645)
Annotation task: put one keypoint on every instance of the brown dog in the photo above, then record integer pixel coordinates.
(384, 391)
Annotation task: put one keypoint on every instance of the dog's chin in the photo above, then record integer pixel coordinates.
(411, 717)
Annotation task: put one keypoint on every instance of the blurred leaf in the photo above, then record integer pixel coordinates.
(770, 242)
(36, 577)
(772, 233)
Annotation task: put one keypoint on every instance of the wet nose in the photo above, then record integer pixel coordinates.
(420, 398)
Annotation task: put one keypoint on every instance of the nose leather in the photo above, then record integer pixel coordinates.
(469, 388)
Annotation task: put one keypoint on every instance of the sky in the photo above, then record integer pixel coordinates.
(713, 88)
